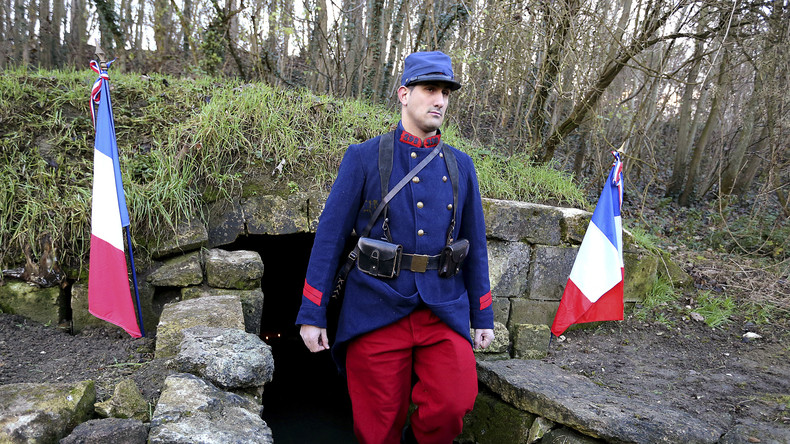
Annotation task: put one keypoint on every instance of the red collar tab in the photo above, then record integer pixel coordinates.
(413, 140)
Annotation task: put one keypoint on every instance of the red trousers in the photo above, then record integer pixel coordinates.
(379, 367)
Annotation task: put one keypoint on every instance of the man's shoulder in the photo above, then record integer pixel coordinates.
(366, 148)
(463, 158)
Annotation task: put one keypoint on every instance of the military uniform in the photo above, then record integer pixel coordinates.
(417, 321)
(419, 216)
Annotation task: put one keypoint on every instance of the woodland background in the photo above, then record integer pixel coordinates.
(695, 92)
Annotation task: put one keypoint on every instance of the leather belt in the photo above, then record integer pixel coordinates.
(419, 263)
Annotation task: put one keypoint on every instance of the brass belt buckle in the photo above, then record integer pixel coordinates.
(419, 263)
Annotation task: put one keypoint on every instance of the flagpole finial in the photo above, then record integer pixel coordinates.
(100, 56)
(622, 148)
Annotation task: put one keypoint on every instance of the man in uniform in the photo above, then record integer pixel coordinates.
(418, 322)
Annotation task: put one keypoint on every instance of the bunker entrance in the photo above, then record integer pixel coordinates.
(307, 401)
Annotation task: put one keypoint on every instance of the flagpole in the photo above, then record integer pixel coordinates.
(134, 280)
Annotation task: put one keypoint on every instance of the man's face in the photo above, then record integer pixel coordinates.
(423, 108)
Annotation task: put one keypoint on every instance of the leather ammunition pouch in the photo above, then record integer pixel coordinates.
(378, 258)
(452, 258)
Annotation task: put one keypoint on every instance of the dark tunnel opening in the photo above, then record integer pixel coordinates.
(307, 400)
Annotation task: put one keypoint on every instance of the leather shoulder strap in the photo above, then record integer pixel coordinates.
(386, 153)
(452, 169)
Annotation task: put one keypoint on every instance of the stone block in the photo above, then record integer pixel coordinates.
(192, 410)
(109, 430)
(575, 401)
(539, 428)
(565, 435)
(126, 402)
(210, 311)
(39, 304)
(33, 413)
(501, 308)
(508, 268)
(239, 270)
(315, 206)
(530, 341)
(522, 221)
(228, 358)
(549, 272)
(574, 224)
(640, 272)
(493, 421)
(501, 342)
(187, 237)
(251, 303)
(673, 273)
(528, 311)
(180, 271)
(276, 215)
(225, 223)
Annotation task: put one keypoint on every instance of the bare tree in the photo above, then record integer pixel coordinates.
(686, 130)
(722, 86)
(655, 17)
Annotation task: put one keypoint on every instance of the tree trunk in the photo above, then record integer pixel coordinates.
(722, 85)
(138, 27)
(5, 37)
(20, 32)
(354, 42)
(734, 161)
(318, 48)
(186, 30)
(557, 25)
(46, 39)
(285, 28)
(162, 27)
(685, 129)
(387, 85)
(58, 25)
(32, 39)
(753, 163)
(376, 48)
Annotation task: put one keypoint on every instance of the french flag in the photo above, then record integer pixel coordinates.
(595, 288)
(109, 297)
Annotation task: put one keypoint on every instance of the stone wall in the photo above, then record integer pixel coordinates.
(531, 252)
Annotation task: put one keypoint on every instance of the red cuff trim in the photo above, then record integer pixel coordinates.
(312, 294)
(485, 301)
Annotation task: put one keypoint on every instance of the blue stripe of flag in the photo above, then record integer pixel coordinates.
(106, 143)
(607, 209)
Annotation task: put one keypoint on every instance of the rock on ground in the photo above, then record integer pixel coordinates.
(31, 413)
(109, 430)
(192, 410)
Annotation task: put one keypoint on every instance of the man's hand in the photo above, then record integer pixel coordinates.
(315, 338)
(483, 338)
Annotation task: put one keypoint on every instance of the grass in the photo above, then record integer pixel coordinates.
(644, 239)
(186, 142)
(661, 294)
(716, 309)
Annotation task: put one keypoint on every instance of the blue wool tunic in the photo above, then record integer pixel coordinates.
(419, 217)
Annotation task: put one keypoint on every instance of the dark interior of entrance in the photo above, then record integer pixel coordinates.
(307, 401)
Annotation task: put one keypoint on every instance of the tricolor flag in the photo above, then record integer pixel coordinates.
(109, 297)
(595, 288)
